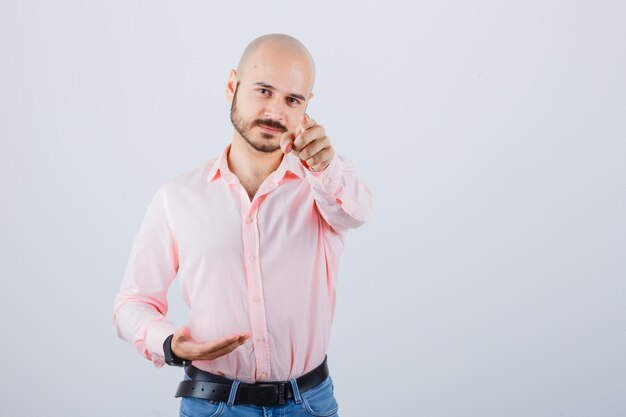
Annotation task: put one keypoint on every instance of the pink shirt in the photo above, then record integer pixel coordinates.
(266, 266)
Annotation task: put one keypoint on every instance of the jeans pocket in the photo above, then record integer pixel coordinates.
(320, 400)
(197, 407)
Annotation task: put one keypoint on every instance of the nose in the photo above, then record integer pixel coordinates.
(275, 109)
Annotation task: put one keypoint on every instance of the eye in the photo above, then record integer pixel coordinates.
(263, 90)
(293, 100)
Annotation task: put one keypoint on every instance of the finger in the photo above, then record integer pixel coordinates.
(231, 343)
(314, 147)
(309, 135)
(286, 142)
(191, 349)
(242, 337)
(320, 160)
(318, 167)
(215, 345)
(306, 121)
(221, 352)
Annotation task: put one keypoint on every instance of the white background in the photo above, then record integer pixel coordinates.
(491, 280)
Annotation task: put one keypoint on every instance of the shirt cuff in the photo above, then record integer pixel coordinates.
(155, 336)
(329, 179)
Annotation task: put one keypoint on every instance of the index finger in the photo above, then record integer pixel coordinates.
(305, 123)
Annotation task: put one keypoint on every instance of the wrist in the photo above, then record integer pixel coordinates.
(170, 357)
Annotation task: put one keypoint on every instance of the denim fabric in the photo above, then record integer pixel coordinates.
(319, 401)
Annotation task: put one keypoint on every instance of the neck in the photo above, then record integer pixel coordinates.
(246, 162)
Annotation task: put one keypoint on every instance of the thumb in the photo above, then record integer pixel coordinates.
(185, 332)
(286, 142)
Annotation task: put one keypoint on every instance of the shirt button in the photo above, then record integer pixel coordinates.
(264, 375)
(252, 258)
(260, 338)
(248, 220)
(325, 181)
(256, 298)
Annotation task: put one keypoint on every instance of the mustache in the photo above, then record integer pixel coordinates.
(271, 124)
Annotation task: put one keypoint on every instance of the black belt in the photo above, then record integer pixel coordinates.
(209, 386)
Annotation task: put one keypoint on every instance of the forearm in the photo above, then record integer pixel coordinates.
(140, 307)
(139, 322)
(343, 200)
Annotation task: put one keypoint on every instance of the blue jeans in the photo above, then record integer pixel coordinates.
(319, 401)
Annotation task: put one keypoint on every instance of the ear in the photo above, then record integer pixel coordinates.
(231, 85)
(311, 96)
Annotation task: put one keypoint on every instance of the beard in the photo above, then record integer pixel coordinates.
(244, 128)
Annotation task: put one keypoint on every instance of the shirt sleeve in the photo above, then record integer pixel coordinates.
(141, 304)
(343, 200)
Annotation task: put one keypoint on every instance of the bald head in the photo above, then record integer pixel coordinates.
(276, 47)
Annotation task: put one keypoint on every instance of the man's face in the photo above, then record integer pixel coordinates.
(273, 92)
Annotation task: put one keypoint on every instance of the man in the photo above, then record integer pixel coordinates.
(255, 237)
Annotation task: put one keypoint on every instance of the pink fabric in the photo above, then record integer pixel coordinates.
(267, 267)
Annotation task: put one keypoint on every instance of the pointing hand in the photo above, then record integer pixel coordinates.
(310, 143)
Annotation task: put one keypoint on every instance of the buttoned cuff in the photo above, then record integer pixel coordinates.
(155, 336)
(328, 180)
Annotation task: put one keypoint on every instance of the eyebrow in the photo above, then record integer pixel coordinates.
(271, 87)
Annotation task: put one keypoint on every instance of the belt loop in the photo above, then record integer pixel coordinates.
(233, 392)
(296, 391)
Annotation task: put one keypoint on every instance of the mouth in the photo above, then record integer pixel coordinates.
(268, 129)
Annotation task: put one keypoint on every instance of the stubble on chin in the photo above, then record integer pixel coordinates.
(245, 131)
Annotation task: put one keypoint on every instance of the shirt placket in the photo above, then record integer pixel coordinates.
(251, 239)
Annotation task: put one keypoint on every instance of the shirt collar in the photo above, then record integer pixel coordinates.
(290, 162)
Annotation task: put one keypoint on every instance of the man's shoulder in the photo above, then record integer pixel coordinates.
(192, 174)
(190, 179)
